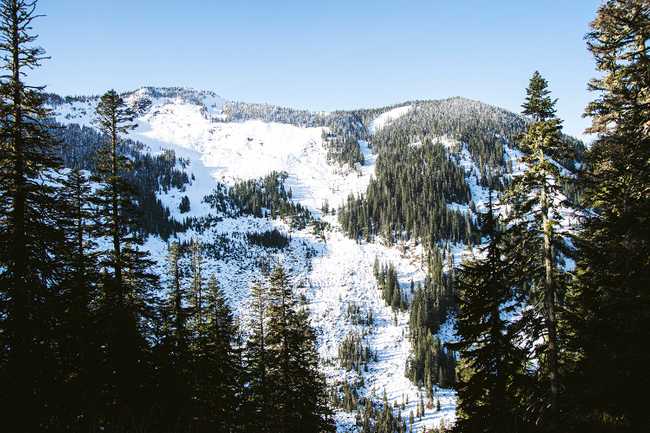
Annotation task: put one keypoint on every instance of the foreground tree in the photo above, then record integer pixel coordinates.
(197, 287)
(299, 390)
(288, 391)
(29, 232)
(173, 350)
(115, 197)
(78, 292)
(258, 361)
(216, 361)
(127, 283)
(613, 277)
(493, 352)
(535, 199)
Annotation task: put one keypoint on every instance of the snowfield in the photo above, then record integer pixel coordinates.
(342, 275)
(332, 272)
(387, 117)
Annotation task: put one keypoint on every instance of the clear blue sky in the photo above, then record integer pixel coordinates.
(323, 54)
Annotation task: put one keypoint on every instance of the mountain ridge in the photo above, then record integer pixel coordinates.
(175, 91)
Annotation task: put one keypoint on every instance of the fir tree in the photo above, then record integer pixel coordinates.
(114, 119)
(299, 388)
(177, 299)
(258, 404)
(539, 105)
(197, 289)
(612, 295)
(217, 365)
(493, 362)
(184, 206)
(127, 283)
(535, 199)
(176, 363)
(29, 232)
(79, 293)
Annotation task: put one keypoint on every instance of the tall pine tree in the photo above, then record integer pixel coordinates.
(78, 295)
(127, 282)
(217, 361)
(176, 359)
(258, 399)
(612, 298)
(29, 232)
(491, 349)
(535, 200)
(298, 391)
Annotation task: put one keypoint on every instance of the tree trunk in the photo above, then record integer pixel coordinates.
(549, 301)
(22, 334)
(117, 247)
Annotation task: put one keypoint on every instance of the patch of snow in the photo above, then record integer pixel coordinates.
(385, 118)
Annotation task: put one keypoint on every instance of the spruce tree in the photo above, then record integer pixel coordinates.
(612, 293)
(197, 285)
(127, 282)
(176, 364)
(538, 104)
(29, 232)
(299, 388)
(115, 197)
(79, 294)
(217, 362)
(535, 200)
(489, 345)
(258, 400)
(177, 306)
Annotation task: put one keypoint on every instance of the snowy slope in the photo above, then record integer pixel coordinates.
(333, 272)
(385, 118)
(342, 275)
